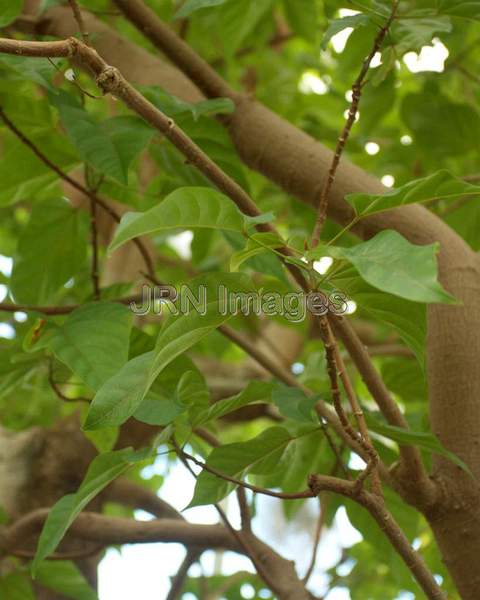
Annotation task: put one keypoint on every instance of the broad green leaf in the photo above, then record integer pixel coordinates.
(173, 106)
(294, 404)
(184, 208)
(418, 31)
(192, 392)
(302, 16)
(102, 471)
(257, 456)
(256, 391)
(392, 264)
(441, 185)
(9, 11)
(441, 127)
(258, 243)
(104, 439)
(65, 578)
(180, 334)
(120, 397)
(352, 21)
(109, 146)
(239, 19)
(190, 6)
(468, 9)
(16, 586)
(34, 176)
(51, 250)
(93, 341)
(424, 440)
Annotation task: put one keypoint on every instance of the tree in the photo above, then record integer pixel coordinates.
(321, 318)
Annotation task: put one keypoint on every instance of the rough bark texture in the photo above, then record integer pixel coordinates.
(298, 164)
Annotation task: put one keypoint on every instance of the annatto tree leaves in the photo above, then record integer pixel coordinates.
(93, 341)
(255, 391)
(392, 264)
(258, 243)
(16, 586)
(441, 185)
(64, 577)
(51, 250)
(173, 106)
(257, 456)
(120, 396)
(469, 9)
(302, 15)
(294, 404)
(102, 470)
(191, 6)
(239, 19)
(9, 11)
(338, 25)
(425, 440)
(109, 146)
(184, 208)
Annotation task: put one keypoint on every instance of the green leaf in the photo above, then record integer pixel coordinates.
(34, 176)
(441, 127)
(258, 243)
(174, 107)
(184, 208)
(102, 471)
(418, 31)
(468, 9)
(408, 318)
(338, 25)
(9, 11)
(192, 392)
(302, 16)
(120, 397)
(259, 455)
(109, 146)
(93, 341)
(15, 586)
(424, 440)
(190, 6)
(239, 19)
(441, 185)
(294, 404)
(51, 250)
(392, 264)
(180, 334)
(65, 578)
(256, 391)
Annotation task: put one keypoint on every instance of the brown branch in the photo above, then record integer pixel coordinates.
(331, 354)
(179, 580)
(36, 48)
(113, 531)
(376, 507)
(322, 518)
(128, 493)
(357, 88)
(77, 13)
(58, 310)
(412, 473)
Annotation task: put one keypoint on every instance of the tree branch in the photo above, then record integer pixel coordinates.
(376, 507)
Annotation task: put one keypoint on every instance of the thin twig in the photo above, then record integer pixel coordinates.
(176, 587)
(77, 13)
(58, 391)
(322, 518)
(357, 88)
(58, 310)
(94, 239)
(253, 488)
